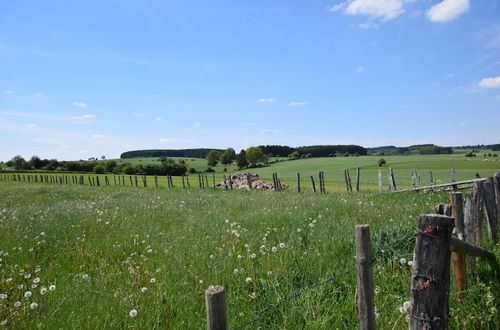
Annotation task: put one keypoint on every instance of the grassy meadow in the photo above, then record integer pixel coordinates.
(88, 256)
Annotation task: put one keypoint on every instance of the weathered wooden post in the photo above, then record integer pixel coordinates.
(431, 180)
(431, 273)
(131, 184)
(496, 184)
(97, 180)
(392, 182)
(313, 184)
(459, 266)
(346, 181)
(357, 178)
(135, 180)
(298, 182)
(453, 177)
(249, 181)
(366, 306)
(206, 181)
(215, 302)
(230, 182)
(187, 181)
(349, 179)
(114, 179)
(489, 203)
(225, 183)
(380, 187)
(156, 181)
(213, 179)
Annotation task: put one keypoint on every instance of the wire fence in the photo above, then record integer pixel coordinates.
(299, 293)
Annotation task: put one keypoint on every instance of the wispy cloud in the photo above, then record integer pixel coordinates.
(37, 94)
(337, 6)
(493, 82)
(462, 124)
(368, 25)
(406, 106)
(197, 124)
(447, 10)
(158, 119)
(8, 92)
(248, 124)
(87, 116)
(79, 104)
(266, 100)
(32, 125)
(175, 140)
(268, 130)
(469, 90)
(360, 69)
(296, 104)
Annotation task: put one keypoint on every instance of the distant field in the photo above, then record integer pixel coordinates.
(109, 250)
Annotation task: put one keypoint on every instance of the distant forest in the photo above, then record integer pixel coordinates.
(274, 150)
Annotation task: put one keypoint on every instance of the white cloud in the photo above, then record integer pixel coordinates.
(337, 6)
(167, 140)
(493, 82)
(197, 124)
(8, 92)
(79, 104)
(463, 124)
(32, 125)
(360, 69)
(447, 10)
(158, 118)
(383, 10)
(87, 116)
(37, 94)
(268, 130)
(368, 25)
(266, 100)
(450, 75)
(296, 104)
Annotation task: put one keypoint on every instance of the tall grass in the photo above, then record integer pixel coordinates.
(109, 250)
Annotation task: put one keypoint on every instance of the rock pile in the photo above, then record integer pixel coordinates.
(240, 181)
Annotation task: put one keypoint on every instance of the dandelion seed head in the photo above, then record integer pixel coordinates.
(248, 280)
(133, 313)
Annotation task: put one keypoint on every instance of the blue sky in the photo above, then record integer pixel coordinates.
(82, 79)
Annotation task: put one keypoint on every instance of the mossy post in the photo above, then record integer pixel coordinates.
(366, 306)
(431, 273)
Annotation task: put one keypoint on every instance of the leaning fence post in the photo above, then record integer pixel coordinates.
(366, 307)
(215, 301)
(313, 184)
(457, 212)
(431, 273)
(392, 182)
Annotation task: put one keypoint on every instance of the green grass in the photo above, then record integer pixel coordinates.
(122, 237)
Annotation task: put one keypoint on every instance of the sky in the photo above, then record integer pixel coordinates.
(81, 79)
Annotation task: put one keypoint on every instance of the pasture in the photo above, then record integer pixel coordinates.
(112, 249)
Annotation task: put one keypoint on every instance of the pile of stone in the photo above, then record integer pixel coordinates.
(242, 180)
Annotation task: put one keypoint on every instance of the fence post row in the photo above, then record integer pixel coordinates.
(431, 273)
(366, 307)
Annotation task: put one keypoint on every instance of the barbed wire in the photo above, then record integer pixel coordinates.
(280, 302)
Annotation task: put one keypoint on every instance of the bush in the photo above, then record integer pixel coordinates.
(470, 154)
(192, 170)
(209, 170)
(99, 169)
(381, 162)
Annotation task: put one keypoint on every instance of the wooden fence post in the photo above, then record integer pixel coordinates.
(431, 180)
(187, 181)
(489, 203)
(213, 179)
(366, 306)
(357, 178)
(453, 177)
(459, 266)
(380, 187)
(320, 181)
(298, 182)
(431, 273)
(215, 302)
(496, 184)
(249, 181)
(231, 182)
(313, 184)
(392, 182)
(156, 181)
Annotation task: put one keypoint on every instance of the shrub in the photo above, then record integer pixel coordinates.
(470, 154)
(99, 169)
(381, 162)
(209, 170)
(192, 170)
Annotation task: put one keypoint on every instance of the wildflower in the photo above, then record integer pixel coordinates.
(377, 289)
(150, 250)
(52, 287)
(4, 322)
(410, 263)
(17, 304)
(153, 280)
(248, 280)
(402, 261)
(27, 275)
(253, 255)
(240, 256)
(235, 271)
(3, 295)
(282, 245)
(269, 273)
(133, 313)
(36, 280)
(43, 290)
(33, 305)
(144, 289)
(85, 276)
(27, 294)
(299, 230)
(274, 249)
